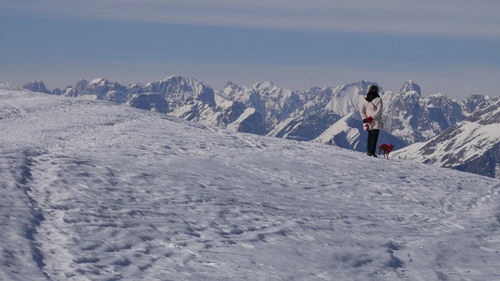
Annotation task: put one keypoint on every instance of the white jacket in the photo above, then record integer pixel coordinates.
(373, 109)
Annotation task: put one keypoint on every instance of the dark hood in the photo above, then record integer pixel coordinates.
(371, 96)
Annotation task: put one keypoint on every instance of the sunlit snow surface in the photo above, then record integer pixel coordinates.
(95, 191)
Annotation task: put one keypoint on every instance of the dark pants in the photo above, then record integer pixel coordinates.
(372, 141)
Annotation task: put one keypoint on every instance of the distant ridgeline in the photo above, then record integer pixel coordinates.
(328, 115)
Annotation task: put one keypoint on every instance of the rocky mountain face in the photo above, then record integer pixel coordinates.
(472, 145)
(298, 115)
(273, 103)
(414, 118)
(36, 86)
(328, 115)
(474, 103)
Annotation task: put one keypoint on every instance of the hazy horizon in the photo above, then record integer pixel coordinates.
(446, 46)
(219, 85)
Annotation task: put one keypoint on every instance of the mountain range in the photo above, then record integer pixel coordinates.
(322, 114)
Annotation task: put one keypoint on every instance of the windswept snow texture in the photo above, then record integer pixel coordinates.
(97, 191)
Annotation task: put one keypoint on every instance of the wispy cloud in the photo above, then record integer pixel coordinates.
(424, 17)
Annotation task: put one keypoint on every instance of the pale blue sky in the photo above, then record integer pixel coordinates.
(446, 46)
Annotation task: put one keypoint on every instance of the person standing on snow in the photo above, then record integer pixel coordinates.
(371, 112)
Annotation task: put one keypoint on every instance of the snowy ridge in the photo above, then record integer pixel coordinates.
(341, 127)
(472, 145)
(7, 86)
(96, 191)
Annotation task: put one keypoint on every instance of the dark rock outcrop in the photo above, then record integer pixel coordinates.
(36, 86)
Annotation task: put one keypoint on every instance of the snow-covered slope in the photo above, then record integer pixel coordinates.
(305, 127)
(472, 145)
(343, 133)
(97, 191)
(348, 133)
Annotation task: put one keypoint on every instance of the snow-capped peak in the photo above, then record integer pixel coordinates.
(411, 86)
(437, 95)
(174, 76)
(353, 89)
(180, 79)
(99, 81)
(347, 98)
(264, 85)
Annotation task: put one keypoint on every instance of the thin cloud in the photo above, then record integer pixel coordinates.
(424, 17)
